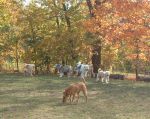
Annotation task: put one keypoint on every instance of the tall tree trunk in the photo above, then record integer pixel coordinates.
(137, 59)
(70, 41)
(97, 47)
(35, 61)
(17, 58)
(96, 59)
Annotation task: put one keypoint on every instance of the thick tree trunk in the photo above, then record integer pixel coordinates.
(96, 58)
(97, 48)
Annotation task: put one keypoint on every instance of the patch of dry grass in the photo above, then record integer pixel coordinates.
(40, 98)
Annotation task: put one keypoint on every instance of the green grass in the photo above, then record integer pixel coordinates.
(40, 97)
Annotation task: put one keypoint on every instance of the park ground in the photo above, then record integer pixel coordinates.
(40, 97)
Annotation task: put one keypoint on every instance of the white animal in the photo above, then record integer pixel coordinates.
(103, 75)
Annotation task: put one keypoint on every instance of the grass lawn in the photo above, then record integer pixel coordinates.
(40, 97)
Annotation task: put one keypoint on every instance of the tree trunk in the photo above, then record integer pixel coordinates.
(36, 67)
(97, 47)
(47, 68)
(96, 59)
(17, 59)
(70, 41)
(137, 67)
(57, 19)
(34, 49)
(89, 4)
(66, 17)
(137, 59)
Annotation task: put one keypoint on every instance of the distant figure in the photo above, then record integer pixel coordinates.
(28, 69)
(57, 68)
(83, 70)
(66, 70)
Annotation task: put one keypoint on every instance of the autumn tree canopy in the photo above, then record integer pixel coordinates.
(123, 21)
(51, 31)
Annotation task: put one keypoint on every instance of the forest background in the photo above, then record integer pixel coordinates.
(46, 32)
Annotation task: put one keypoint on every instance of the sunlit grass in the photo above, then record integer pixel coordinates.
(40, 97)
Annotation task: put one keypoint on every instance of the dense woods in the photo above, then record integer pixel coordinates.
(112, 34)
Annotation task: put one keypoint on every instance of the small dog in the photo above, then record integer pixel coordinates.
(74, 90)
(103, 75)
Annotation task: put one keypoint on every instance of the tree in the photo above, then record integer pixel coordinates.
(10, 32)
(122, 20)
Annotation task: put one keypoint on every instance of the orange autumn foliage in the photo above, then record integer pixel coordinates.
(122, 19)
